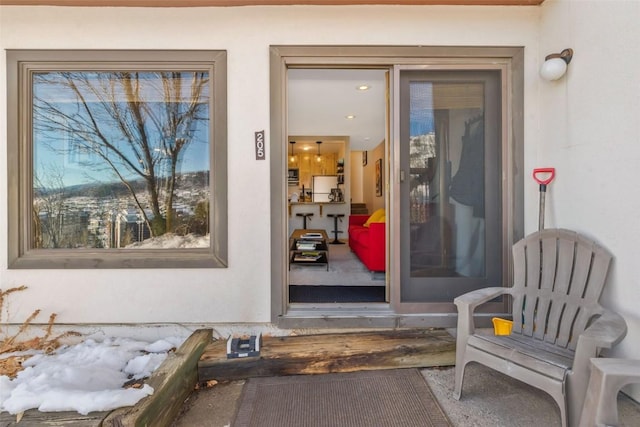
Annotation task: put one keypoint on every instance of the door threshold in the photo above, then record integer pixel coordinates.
(341, 309)
(359, 316)
(342, 315)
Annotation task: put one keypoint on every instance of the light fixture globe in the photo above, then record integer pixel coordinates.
(555, 65)
(553, 69)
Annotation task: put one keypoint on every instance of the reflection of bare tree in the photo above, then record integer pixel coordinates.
(137, 125)
(422, 159)
(49, 209)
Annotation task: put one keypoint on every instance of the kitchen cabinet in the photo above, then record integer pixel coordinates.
(308, 166)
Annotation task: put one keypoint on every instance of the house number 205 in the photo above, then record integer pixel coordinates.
(260, 152)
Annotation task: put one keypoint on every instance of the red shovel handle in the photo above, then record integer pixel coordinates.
(550, 171)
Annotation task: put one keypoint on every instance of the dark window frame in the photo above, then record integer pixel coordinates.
(20, 65)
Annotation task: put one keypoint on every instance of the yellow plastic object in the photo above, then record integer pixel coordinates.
(502, 326)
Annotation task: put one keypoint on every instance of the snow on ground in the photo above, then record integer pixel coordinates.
(84, 377)
(173, 241)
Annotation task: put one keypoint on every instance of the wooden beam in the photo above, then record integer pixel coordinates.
(321, 354)
(226, 3)
(172, 383)
(35, 418)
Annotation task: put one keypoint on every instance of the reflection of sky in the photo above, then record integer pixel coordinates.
(421, 120)
(60, 152)
(81, 167)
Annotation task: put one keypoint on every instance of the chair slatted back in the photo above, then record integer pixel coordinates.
(558, 278)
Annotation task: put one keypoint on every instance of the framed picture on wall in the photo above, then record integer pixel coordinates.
(364, 158)
(379, 177)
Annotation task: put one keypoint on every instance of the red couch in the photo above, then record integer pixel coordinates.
(368, 243)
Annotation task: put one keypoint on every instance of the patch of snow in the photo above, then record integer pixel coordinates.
(84, 377)
(172, 241)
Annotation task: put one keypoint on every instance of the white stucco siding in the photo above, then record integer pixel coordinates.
(589, 130)
(586, 125)
(240, 293)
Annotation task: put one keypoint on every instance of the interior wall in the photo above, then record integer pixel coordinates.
(373, 201)
(241, 292)
(356, 177)
(588, 130)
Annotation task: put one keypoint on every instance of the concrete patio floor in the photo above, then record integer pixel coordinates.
(489, 398)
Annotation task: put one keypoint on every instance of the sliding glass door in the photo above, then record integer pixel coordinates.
(450, 186)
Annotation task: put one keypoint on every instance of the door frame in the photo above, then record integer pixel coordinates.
(510, 61)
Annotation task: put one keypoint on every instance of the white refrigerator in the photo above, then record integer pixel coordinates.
(322, 185)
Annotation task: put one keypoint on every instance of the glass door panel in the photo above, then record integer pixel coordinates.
(450, 183)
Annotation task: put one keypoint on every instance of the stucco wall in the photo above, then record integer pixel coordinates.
(586, 125)
(588, 128)
(238, 293)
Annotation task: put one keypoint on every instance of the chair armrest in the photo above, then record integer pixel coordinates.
(467, 304)
(480, 296)
(608, 330)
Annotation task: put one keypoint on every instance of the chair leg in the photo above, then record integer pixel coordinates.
(459, 378)
(562, 404)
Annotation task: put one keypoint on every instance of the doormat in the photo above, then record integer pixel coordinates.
(329, 294)
(393, 398)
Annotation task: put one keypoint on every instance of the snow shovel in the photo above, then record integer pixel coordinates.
(538, 173)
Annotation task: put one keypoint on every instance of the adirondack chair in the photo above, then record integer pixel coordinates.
(558, 324)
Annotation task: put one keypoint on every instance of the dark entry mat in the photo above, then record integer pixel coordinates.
(329, 294)
(393, 398)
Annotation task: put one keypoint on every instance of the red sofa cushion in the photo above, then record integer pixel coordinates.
(368, 243)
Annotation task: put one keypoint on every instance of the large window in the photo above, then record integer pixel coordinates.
(117, 159)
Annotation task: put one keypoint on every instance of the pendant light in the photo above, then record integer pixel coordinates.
(292, 159)
(318, 158)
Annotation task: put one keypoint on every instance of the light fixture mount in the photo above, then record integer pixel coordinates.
(566, 55)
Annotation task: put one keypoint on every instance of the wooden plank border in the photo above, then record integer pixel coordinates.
(172, 383)
(327, 353)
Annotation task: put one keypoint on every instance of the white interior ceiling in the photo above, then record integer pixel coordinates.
(319, 101)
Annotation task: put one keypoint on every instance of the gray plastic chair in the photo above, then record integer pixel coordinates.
(558, 324)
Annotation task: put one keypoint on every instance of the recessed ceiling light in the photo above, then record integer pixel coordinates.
(350, 117)
(363, 87)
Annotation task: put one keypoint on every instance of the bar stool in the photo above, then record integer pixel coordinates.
(336, 217)
(304, 216)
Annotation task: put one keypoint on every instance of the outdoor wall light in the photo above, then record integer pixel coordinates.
(555, 65)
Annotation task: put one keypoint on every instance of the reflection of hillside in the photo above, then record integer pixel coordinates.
(105, 215)
(198, 179)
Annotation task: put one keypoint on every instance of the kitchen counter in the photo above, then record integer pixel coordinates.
(320, 204)
(317, 203)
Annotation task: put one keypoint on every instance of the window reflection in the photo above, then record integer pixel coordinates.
(446, 196)
(120, 159)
